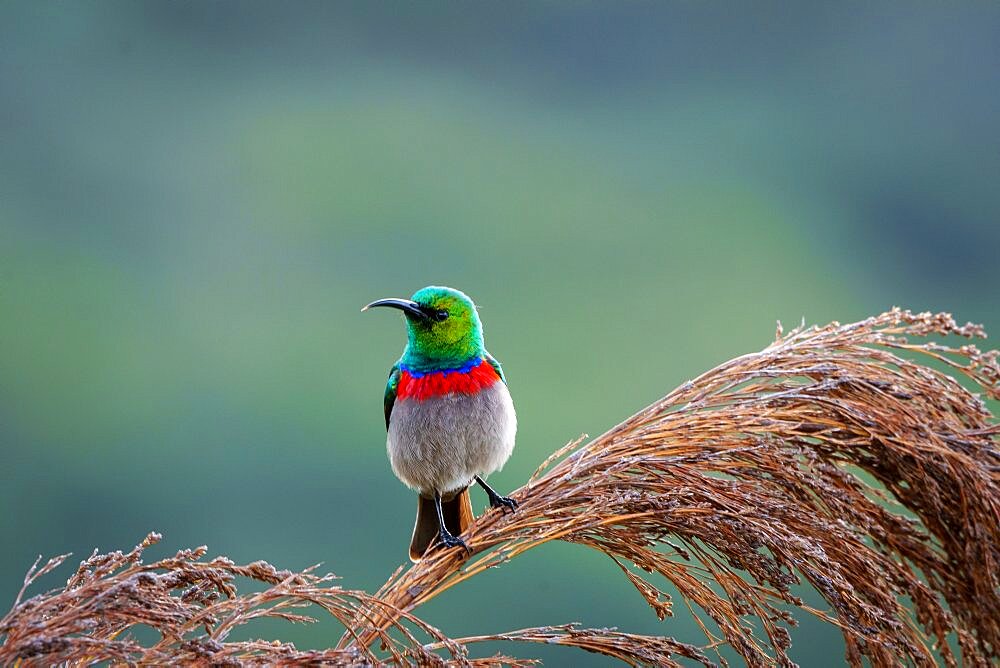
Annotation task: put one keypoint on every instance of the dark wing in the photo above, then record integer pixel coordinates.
(496, 366)
(390, 392)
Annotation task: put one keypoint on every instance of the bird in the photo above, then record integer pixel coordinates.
(449, 417)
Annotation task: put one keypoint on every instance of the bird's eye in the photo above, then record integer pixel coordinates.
(441, 314)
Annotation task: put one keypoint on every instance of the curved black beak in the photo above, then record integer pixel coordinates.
(405, 305)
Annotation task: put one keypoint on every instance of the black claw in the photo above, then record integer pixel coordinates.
(448, 540)
(505, 502)
(497, 501)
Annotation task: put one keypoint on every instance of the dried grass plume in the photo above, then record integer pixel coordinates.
(735, 487)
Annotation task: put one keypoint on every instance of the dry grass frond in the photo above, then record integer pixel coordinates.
(193, 605)
(734, 487)
(629, 647)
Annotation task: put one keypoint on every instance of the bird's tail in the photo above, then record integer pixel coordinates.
(458, 517)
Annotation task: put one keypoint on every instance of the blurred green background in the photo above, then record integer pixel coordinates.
(197, 198)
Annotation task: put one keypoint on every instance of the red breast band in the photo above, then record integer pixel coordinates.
(469, 380)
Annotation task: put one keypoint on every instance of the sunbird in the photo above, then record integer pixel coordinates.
(449, 417)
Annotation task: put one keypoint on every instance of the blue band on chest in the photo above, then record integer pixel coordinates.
(465, 368)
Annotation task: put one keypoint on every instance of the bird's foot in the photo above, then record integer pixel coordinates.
(449, 540)
(505, 502)
(497, 501)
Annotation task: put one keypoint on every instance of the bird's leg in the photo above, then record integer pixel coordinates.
(447, 539)
(497, 501)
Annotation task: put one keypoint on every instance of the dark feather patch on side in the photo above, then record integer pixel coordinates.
(390, 393)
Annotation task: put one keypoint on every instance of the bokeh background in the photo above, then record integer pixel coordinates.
(197, 198)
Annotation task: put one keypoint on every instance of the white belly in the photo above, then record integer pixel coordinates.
(440, 443)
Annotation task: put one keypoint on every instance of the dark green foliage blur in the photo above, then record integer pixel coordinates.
(197, 198)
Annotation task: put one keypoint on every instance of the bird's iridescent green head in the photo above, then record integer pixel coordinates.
(443, 328)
